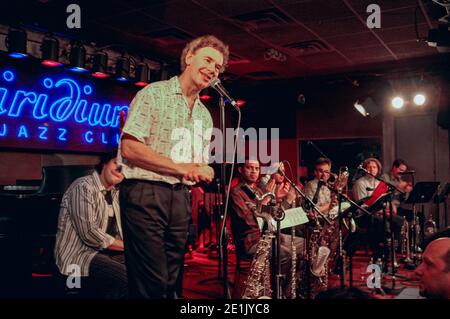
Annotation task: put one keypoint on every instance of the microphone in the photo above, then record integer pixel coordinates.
(217, 85)
(361, 168)
(272, 169)
(407, 172)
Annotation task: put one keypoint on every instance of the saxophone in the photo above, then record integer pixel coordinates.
(258, 283)
(293, 265)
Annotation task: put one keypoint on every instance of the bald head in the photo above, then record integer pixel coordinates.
(440, 248)
(434, 271)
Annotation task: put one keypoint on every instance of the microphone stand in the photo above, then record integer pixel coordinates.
(223, 244)
(305, 198)
(388, 201)
(312, 206)
(279, 216)
(342, 197)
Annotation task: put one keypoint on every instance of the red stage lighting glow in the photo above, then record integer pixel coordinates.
(205, 98)
(51, 63)
(141, 83)
(240, 103)
(100, 75)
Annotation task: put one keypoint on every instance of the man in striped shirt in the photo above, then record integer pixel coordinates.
(89, 236)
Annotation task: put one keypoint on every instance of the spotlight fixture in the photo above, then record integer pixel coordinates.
(397, 102)
(240, 103)
(360, 108)
(16, 42)
(368, 107)
(50, 51)
(123, 68)
(419, 99)
(100, 65)
(77, 57)
(142, 74)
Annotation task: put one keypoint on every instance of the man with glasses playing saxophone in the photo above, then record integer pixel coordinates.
(321, 237)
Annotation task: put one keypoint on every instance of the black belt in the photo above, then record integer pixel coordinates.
(175, 187)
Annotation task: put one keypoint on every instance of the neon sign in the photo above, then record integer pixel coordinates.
(58, 113)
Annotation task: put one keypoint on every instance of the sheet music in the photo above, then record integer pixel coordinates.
(293, 217)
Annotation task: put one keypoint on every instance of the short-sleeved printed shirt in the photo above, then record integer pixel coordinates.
(159, 117)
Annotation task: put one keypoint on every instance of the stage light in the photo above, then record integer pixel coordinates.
(368, 107)
(419, 99)
(240, 103)
(16, 42)
(397, 102)
(50, 51)
(142, 74)
(205, 95)
(100, 65)
(360, 108)
(78, 57)
(123, 68)
(205, 98)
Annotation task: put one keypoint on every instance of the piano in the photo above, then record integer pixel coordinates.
(28, 224)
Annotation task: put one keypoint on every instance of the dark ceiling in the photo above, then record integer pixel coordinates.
(315, 36)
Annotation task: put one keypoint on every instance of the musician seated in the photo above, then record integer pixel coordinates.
(369, 189)
(316, 190)
(394, 176)
(244, 225)
(89, 237)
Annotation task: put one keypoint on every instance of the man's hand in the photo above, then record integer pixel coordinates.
(200, 173)
(117, 245)
(283, 191)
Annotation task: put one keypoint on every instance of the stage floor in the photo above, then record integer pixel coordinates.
(201, 278)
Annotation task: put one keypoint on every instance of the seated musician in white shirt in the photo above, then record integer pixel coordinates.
(369, 188)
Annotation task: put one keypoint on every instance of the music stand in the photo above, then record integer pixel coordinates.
(442, 198)
(422, 193)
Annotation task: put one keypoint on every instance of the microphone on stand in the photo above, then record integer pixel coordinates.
(217, 85)
(273, 169)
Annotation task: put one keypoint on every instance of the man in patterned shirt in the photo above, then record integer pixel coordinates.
(158, 167)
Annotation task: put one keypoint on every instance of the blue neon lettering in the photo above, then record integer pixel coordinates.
(3, 94)
(23, 132)
(18, 102)
(88, 139)
(4, 130)
(43, 134)
(71, 104)
(94, 116)
(64, 107)
(39, 108)
(116, 118)
(104, 141)
(62, 134)
(117, 138)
